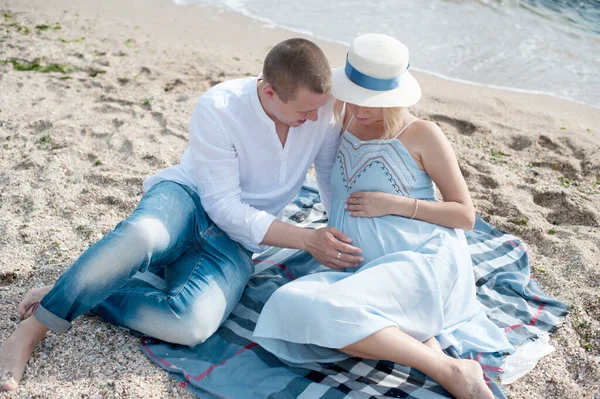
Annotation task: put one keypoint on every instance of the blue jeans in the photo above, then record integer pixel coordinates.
(167, 271)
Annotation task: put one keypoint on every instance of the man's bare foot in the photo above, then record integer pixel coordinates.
(16, 351)
(464, 379)
(33, 296)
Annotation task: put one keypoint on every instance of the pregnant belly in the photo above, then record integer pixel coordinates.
(377, 237)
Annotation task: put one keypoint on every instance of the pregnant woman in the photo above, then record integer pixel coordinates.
(414, 294)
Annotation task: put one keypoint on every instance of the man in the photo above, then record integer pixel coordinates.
(177, 266)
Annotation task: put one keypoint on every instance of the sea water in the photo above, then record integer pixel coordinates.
(548, 46)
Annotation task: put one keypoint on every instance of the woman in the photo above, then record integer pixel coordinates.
(414, 294)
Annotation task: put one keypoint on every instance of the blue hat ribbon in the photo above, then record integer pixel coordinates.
(369, 82)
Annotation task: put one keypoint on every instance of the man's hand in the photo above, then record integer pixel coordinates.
(331, 248)
(370, 204)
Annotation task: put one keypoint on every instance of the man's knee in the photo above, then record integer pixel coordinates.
(146, 234)
(196, 322)
(124, 250)
(197, 334)
(193, 331)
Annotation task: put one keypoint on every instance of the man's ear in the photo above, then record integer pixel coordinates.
(268, 91)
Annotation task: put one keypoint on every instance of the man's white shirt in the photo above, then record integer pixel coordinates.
(238, 167)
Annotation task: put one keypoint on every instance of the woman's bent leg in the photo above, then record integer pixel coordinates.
(462, 378)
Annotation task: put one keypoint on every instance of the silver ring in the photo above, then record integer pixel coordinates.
(339, 255)
(357, 200)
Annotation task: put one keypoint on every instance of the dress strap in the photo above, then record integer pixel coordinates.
(349, 123)
(406, 127)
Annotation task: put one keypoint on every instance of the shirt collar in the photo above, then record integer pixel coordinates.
(256, 101)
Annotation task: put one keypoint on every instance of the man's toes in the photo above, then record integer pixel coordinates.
(7, 382)
(10, 385)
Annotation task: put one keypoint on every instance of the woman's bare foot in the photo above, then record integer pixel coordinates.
(464, 379)
(33, 296)
(16, 351)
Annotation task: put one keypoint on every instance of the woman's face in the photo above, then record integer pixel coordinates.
(365, 115)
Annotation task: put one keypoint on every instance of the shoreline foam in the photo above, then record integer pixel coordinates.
(274, 25)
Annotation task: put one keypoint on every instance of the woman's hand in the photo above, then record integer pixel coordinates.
(370, 204)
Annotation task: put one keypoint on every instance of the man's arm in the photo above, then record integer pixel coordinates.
(217, 176)
(329, 246)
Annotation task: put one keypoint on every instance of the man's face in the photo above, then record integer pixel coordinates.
(305, 106)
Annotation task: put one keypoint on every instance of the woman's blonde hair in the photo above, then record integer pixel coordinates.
(392, 118)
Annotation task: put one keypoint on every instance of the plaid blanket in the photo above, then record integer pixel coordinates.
(230, 365)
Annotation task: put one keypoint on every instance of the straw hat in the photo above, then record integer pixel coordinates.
(376, 74)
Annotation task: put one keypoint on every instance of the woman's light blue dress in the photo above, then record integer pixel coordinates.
(416, 276)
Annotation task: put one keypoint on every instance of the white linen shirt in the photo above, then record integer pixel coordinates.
(238, 167)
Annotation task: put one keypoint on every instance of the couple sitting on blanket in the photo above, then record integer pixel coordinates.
(401, 284)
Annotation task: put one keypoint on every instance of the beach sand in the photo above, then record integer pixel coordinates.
(76, 144)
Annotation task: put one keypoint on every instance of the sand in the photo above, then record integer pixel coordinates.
(76, 144)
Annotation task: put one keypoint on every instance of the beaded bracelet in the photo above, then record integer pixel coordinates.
(416, 208)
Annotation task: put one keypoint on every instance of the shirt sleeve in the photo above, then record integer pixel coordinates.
(324, 163)
(217, 176)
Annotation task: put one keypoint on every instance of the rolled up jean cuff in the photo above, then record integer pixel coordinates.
(50, 320)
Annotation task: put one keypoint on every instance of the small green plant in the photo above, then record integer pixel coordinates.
(35, 66)
(588, 347)
(98, 162)
(583, 324)
(586, 333)
(49, 140)
(129, 43)
(497, 154)
(95, 72)
(23, 30)
(586, 190)
(46, 139)
(43, 27)
(519, 221)
(20, 28)
(81, 39)
(237, 58)
(566, 183)
(552, 232)
(6, 16)
(563, 128)
(540, 270)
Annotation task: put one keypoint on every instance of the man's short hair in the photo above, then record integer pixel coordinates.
(296, 63)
